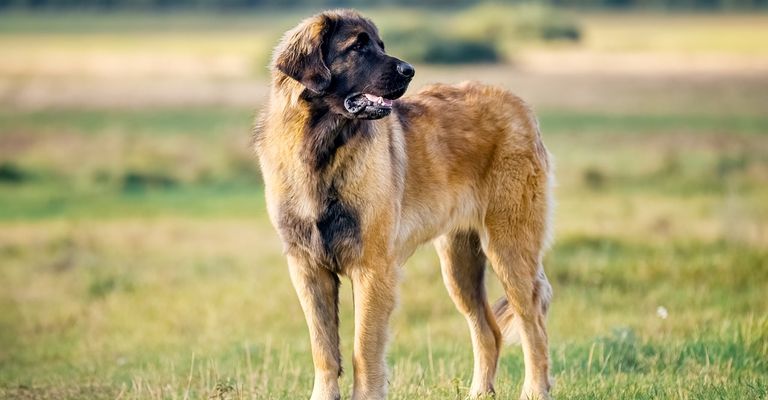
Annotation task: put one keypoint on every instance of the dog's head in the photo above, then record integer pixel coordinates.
(340, 60)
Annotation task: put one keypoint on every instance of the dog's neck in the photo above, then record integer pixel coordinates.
(305, 127)
(326, 133)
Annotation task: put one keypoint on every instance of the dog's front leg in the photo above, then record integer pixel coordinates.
(374, 288)
(318, 291)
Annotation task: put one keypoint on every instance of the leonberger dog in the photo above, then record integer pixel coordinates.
(357, 177)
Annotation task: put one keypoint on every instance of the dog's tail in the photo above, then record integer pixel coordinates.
(508, 322)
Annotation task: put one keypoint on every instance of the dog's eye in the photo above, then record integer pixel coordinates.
(362, 41)
(381, 44)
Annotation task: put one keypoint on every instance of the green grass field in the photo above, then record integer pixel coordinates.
(137, 261)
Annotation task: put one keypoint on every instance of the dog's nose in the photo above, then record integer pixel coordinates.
(406, 70)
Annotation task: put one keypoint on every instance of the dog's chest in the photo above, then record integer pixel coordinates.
(330, 239)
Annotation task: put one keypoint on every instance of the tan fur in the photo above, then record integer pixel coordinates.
(463, 166)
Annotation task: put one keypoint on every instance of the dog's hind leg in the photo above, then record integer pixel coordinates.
(463, 266)
(517, 262)
(318, 291)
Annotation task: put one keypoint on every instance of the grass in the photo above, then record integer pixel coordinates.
(213, 121)
(97, 314)
(111, 291)
(137, 260)
(683, 33)
(143, 122)
(236, 45)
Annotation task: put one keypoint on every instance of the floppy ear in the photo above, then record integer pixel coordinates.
(300, 54)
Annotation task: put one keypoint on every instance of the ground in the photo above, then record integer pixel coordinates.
(136, 259)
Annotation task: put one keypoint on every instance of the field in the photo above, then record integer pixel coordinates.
(136, 259)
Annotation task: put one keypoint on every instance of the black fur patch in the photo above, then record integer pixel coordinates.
(325, 134)
(323, 137)
(339, 230)
(331, 241)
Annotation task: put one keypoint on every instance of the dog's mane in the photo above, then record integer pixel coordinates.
(291, 104)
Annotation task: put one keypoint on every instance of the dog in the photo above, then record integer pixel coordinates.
(357, 176)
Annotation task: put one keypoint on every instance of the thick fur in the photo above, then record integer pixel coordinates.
(463, 166)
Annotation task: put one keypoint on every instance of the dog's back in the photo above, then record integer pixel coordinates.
(468, 147)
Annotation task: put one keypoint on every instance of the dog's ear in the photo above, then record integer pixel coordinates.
(300, 53)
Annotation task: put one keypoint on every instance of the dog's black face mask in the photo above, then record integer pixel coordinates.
(363, 74)
(344, 67)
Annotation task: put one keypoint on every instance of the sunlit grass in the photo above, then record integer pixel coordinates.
(128, 304)
(683, 33)
(112, 287)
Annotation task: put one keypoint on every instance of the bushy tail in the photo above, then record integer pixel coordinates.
(508, 322)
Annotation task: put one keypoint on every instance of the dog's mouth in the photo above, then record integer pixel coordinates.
(371, 106)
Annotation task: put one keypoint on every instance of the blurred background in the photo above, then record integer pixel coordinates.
(136, 259)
